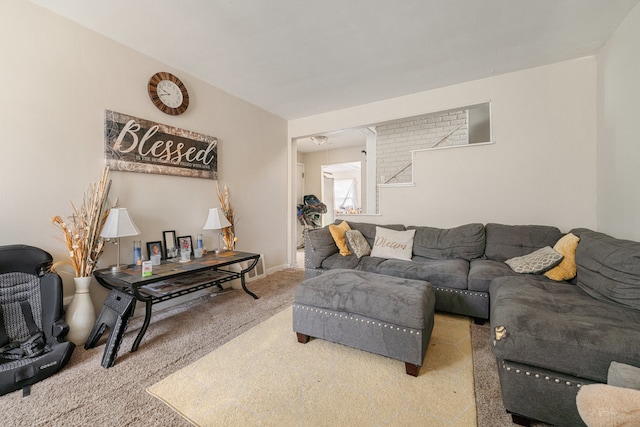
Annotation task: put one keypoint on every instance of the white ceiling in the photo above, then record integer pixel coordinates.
(297, 58)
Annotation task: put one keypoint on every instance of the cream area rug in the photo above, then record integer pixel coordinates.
(265, 377)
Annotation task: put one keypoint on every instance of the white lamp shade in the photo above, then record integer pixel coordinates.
(119, 224)
(216, 220)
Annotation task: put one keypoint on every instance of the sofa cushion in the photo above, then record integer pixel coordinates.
(508, 241)
(393, 244)
(339, 261)
(536, 262)
(567, 269)
(450, 273)
(557, 326)
(483, 271)
(609, 268)
(319, 245)
(466, 241)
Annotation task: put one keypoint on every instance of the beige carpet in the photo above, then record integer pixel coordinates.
(265, 377)
(85, 394)
(490, 408)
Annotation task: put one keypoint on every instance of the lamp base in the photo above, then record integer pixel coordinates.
(116, 268)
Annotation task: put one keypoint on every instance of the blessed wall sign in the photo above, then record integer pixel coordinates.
(137, 145)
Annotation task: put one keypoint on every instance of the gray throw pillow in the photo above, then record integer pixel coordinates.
(621, 375)
(536, 262)
(357, 243)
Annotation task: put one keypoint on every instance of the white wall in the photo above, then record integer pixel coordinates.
(618, 131)
(57, 80)
(541, 169)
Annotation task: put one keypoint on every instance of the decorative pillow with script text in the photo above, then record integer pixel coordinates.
(393, 244)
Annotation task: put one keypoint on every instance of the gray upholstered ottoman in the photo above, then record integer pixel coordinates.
(380, 314)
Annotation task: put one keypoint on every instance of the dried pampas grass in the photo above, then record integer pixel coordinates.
(228, 233)
(82, 230)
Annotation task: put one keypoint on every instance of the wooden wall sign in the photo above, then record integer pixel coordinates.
(137, 145)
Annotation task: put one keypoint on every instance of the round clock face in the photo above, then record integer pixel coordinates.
(168, 93)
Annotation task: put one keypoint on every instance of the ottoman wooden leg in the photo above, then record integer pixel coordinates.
(412, 369)
(302, 338)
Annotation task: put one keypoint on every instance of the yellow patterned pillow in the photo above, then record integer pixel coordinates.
(566, 270)
(338, 234)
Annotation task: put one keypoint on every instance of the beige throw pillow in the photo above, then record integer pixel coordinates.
(393, 244)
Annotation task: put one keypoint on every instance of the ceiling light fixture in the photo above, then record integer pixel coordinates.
(319, 140)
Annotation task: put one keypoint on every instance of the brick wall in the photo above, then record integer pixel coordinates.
(396, 140)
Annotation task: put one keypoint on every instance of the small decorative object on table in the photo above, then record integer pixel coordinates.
(147, 268)
(229, 232)
(184, 242)
(185, 248)
(84, 243)
(154, 249)
(171, 250)
(137, 252)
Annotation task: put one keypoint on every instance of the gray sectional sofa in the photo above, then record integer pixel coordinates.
(459, 262)
(549, 337)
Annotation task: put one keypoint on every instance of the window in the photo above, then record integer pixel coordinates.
(345, 196)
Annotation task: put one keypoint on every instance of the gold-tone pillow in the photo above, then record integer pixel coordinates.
(566, 270)
(338, 234)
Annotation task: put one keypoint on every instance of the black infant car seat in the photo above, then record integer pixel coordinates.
(32, 328)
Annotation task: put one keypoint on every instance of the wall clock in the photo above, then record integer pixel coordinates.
(168, 93)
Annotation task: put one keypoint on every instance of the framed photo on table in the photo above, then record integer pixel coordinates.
(185, 241)
(170, 247)
(154, 248)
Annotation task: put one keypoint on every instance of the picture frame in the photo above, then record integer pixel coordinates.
(170, 242)
(154, 248)
(181, 240)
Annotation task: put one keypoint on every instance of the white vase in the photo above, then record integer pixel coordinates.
(80, 315)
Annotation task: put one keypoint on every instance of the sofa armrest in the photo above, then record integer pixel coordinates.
(318, 245)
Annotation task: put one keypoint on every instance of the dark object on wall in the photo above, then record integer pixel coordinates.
(132, 144)
(168, 93)
(32, 326)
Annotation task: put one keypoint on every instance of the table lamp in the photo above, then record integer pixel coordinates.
(216, 221)
(118, 224)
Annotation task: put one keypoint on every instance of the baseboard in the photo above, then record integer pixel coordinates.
(257, 272)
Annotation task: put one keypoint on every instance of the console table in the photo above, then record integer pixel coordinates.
(172, 279)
